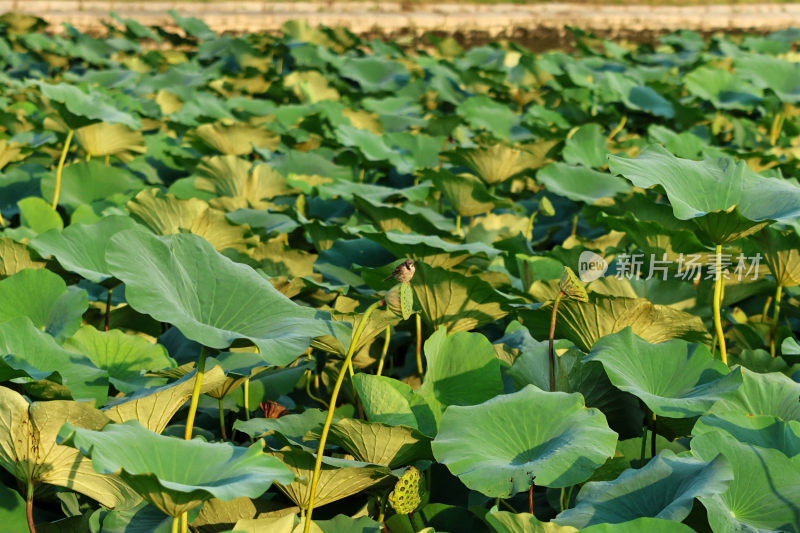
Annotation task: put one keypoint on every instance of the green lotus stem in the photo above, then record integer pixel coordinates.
(458, 224)
(246, 391)
(561, 498)
(29, 507)
(107, 160)
(416, 521)
(312, 490)
(501, 501)
(419, 345)
(2, 222)
(574, 225)
(551, 339)
(184, 522)
(618, 128)
(766, 309)
(222, 419)
(777, 126)
(198, 380)
(717, 304)
(644, 445)
(60, 167)
(529, 231)
(385, 350)
(108, 310)
(311, 394)
(88, 157)
(773, 330)
(175, 524)
(653, 438)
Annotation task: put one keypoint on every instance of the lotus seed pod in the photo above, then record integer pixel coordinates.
(572, 287)
(546, 207)
(407, 493)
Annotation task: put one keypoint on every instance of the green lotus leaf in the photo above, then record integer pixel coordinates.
(586, 323)
(506, 522)
(15, 257)
(293, 524)
(496, 163)
(123, 356)
(651, 525)
(310, 86)
(618, 87)
(580, 184)
(28, 352)
(79, 107)
(81, 248)
(481, 112)
(338, 478)
(404, 220)
(218, 515)
(762, 431)
(376, 324)
(665, 488)
(375, 74)
(155, 407)
(727, 200)
(238, 367)
(12, 515)
(462, 369)
(212, 300)
(85, 182)
(43, 297)
(454, 300)
(292, 428)
(684, 144)
(164, 214)
(768, 72)
(764, 492)
(429, 249)
(28, 448)
(380, 444)
(503, 445)
(176, 475)
(675, 379)
(572, 287)
(724, 89)
(235, 139)
(228, 175)
(465, 192)
(38, 215)
(102, 139)
(763, 394)
(781, 251)
(586, 147)
(386, 400)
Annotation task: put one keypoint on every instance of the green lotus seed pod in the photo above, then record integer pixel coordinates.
(407, 493)
(546, 207)
(572, 287)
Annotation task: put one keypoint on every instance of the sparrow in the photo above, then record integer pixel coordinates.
(404, 272)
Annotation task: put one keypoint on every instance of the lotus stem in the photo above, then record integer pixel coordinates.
(311, 394)
(419, 345)
(773, 330)
(574, 225)
(107, 160)
(29, 507)
(88, 157)
(60, 167)
(777, 126)
(385, 350)
(222, 419)
(530, 499)
(184, 522)
(766, 309)
(312, 491)
(529, 231)
(644, 445)
(717, 304)
(246, 391)
(416, 521)
(550, 350)
(653, 438)
(618, 128)
(198, 381)
(2, 222)
(175, 524)
(108, 310)
(458, 224)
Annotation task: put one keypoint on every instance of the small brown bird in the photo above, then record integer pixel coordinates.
(404, 272)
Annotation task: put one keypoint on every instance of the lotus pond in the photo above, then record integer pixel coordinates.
(198, 333)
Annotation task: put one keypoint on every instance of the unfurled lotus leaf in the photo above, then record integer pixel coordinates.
(238, 367)
(616, 87)
(42, 296)
(430, 249)
(763, 394)
(235, 139)
(388, 401)
(584, 323)
(507, 522)
(339, 478)
(10, 152)
(176, 475)
(228, 175)
(292, 429)
(465, 192)
(155, 407)
(572, 287)
(38, 215)
(81, 248)
(675, 379)
(15, 257)
(86, 182)
(497, 162)
(725, 199)
(407, 219)
(580, 184)
(78, 106)
(28, 448)
(165, 214)
(456, 301)
(212, 300)
(776, 74)
(380, 444)
(310, 86)
(665, 488)
(102, 139)
(781, 251)
(339, 343)
(586, 147)
(501, 446)
(124, 357)
(763, 431)
(481, 112)
(764, 489)
(724, 89)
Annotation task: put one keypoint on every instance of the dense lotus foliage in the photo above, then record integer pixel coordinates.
(197, 330)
